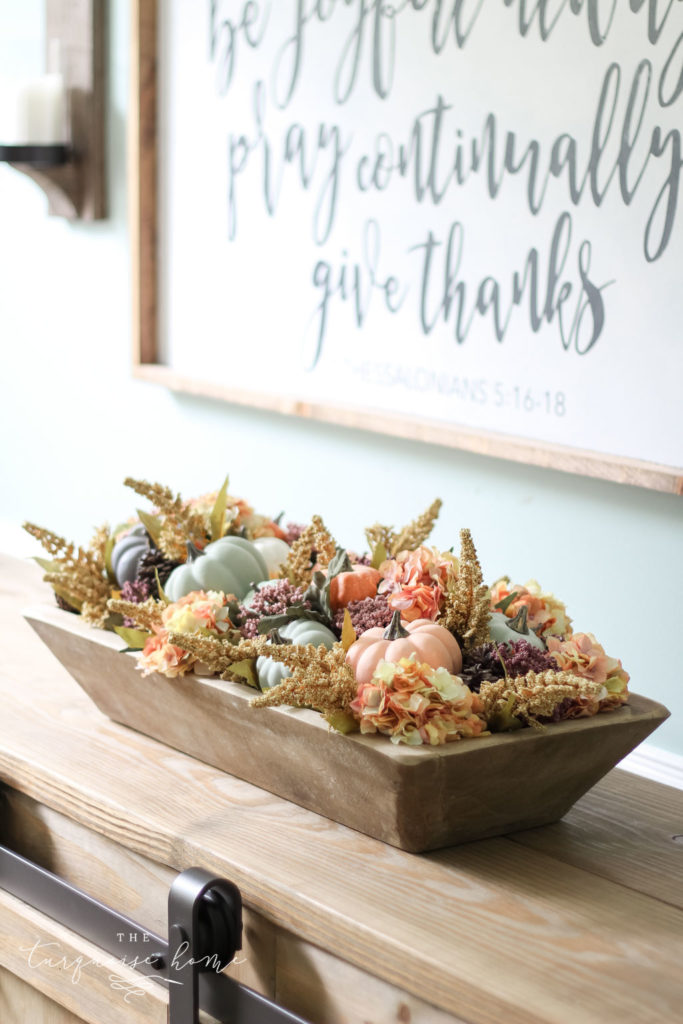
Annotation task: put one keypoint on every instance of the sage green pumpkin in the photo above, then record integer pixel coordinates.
(231, 564)
(301, 632)
(127, 554)
(503, 630)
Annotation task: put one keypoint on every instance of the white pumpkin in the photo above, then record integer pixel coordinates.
(274, 552)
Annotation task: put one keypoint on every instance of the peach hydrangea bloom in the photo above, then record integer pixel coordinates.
(546, 614)
(415, 581)
(199, 611)
(585, 657)
(416, 704)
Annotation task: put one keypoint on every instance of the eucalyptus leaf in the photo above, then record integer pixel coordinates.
(134, 638)
(318, 594)
(339, 563)
(217, 520)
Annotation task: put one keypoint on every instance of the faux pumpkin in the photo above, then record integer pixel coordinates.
(127, 554)
(274, 552)
(427, 640)
(503, 630)
(231, 564)
(359, 582)
(300, 631)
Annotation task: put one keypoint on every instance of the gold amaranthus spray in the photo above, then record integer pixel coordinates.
(315, 541)
(466, 606)
(78, 575)
(385, 541)
(320, 679)
(174, 522)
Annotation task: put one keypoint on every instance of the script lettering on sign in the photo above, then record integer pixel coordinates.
(460, 209)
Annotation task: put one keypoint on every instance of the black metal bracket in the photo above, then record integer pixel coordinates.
(35, 156)
(204, 933)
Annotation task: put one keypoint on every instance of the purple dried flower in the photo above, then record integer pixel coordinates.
(272, 599)
(293, 531)
(521, 658)
(136, 591)
(366, 614)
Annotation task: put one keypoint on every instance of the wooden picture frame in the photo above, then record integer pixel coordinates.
(147, 365)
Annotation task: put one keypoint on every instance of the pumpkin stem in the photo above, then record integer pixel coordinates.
(395, 630)
(276, 637)
(193, 552)
(519, 623)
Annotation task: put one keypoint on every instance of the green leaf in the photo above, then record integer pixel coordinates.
(66, 596)
(246, 670)
(48, 565)
(318, 594)
(135, 638)
(503, 720)
(342, 721)
(379, 555)
(339, 563)
(348, 633)
(217, 520)
(162, 593)
(507, 601)
(108, 548)
(152, 524)
(295, 611)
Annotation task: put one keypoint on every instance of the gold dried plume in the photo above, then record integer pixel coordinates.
(78, 575)
(316, 538)
(466, 605)
(320, 679)
(178, 522)
(409, 537)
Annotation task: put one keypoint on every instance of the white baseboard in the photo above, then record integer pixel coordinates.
(654, 763)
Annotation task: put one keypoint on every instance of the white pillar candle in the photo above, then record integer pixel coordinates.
(41, 111)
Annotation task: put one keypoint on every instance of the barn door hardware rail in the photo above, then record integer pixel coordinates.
(204, 929)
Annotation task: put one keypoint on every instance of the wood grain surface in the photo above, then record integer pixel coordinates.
(574, 923)
(20, 1002)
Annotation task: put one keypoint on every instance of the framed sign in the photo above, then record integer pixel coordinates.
(449, 220)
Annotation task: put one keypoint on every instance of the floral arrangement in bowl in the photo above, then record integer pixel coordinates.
(403, 640)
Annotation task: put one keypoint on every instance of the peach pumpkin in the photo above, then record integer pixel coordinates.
(427, 640)
(359, 582)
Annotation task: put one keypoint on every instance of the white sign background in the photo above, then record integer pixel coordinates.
(465, 210)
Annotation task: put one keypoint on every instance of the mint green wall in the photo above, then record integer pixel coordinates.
(73, 423)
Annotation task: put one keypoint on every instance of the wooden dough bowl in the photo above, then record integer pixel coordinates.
(414, 798)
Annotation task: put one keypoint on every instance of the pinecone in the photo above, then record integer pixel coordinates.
(155, 559)
(482, 665)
